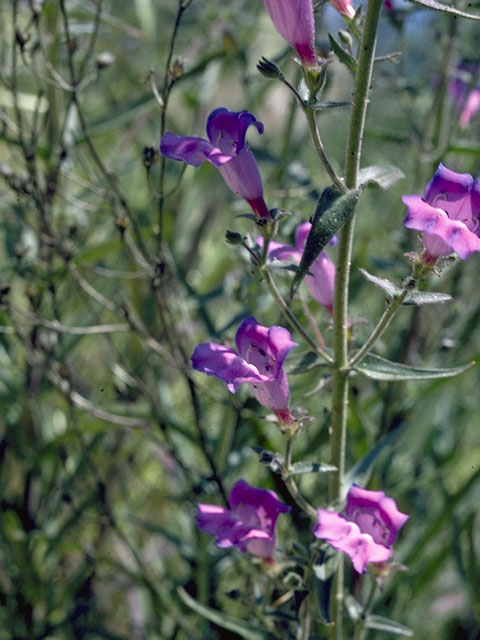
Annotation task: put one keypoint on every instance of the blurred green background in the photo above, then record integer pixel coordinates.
(108, 439)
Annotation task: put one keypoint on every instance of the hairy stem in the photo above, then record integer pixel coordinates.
(340, 319)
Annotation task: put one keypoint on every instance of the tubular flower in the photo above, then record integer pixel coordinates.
(294, 20)
(344, 7)
(367, 531)
(258, 361)
(465, 96)
(227, 150)
(448, 214)
(321, 282)
(249, 524)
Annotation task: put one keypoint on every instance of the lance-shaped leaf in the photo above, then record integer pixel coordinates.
(299, 468)
(331, 213)
(412, 298)
(373, 366)
(360, 472)
(380, 176)
(342, 54)
(243, 629)
(438, 6)
(389, 626)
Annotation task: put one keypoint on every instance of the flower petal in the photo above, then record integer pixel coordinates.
(447, 181)
(423, 217)
(375, 514)
(225, 363)
(193, 151)
(227, 129)
(295, 22)
(346, 536)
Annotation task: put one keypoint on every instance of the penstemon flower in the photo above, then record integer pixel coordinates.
(259, 361)
(249, 524)
(368, 529)
(344, 7)
(321, 282)
(466, 97)
(294, 20)
(448, 214)
(227, 150)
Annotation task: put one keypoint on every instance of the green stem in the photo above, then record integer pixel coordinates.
(382, 324)
(340, 319)
(360, 628)
(320, 149)
(292, 485)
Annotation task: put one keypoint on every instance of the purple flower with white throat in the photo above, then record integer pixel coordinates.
(249, 523)
(227, 150)
(367, 531)
(321, 282)
(258, 361)
(294, 20)
(448, 214)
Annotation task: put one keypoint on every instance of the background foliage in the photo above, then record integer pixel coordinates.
(108, 439)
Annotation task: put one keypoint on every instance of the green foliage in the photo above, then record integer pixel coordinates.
(113, 268)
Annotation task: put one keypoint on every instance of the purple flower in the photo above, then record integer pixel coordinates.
(249, 524)
(294, 20)
(227, 150)
(466, 97)
(368, 529)
(258, 361)
(448, 214)
(321, 284)
(345, 7)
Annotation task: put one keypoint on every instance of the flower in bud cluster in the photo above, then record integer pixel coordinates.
(294, 20)
(227, 150)
(249, 523)
(258, 361)
(448, 214)
(344, 7)
(321, 279)
(367, 531)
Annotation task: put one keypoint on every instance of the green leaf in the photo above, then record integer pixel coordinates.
(377, 368)
(380, 176)
(299, 468)
(222, 619)
(425, 297)
(360, 472)
(274, 460)
(304, 362)
(353, 607)
(389, 287)
(342, 54)
(416, 298)
(390, 626)
(324, 571)
(437, 6)
(331, 213)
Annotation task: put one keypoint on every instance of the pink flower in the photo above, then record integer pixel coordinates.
(258, 361)
(249, 524)
(321, 282)
(465, 96)
(294, 20)
(448, 214)
(368, 529)
(227, 150)
(344, 7)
